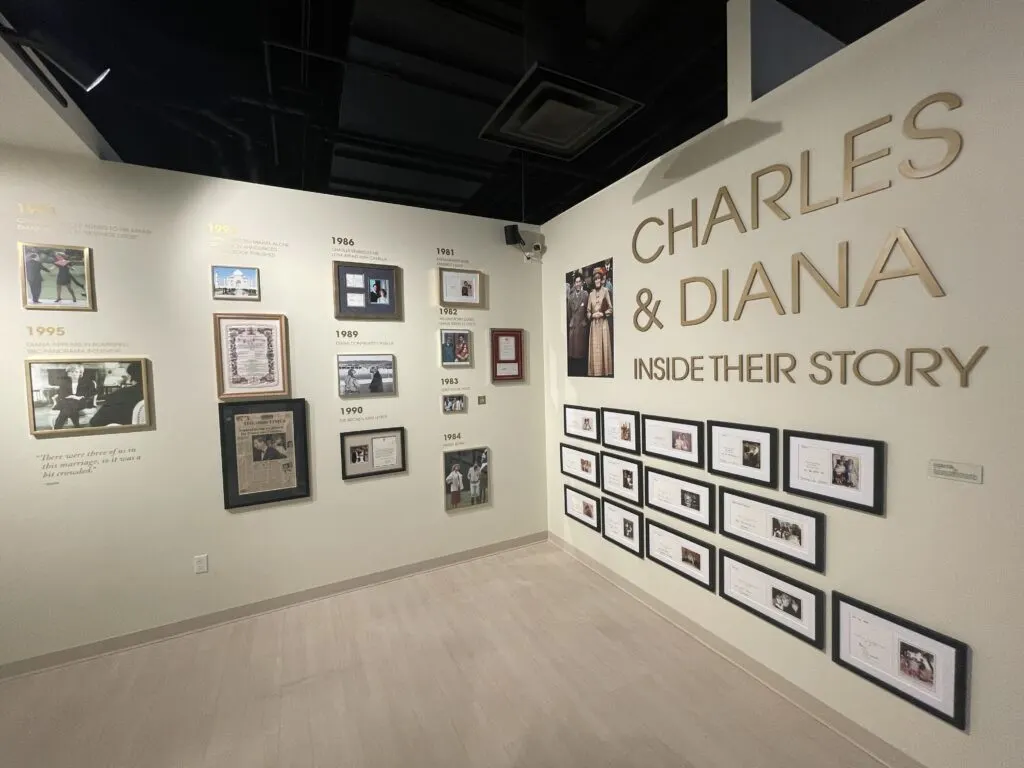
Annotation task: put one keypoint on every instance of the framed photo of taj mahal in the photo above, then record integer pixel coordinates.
(589, 321)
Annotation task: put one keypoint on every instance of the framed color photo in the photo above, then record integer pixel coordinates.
(684, 555)
(583, 508)
(791, 606)
(454, 404)
(367, 291)
(846, 471)
(580, 464)
(467, 478)
(743, 452)
(582, 423)
(507, 360)
(366, 375)
(623, 527)
(264, 450)
(692, 501)
(252, 355)
(462, 288)
(56, 277)
(371, 452)
(918, 664)
(620, 430)
(671, 439)
(88, 396)
(456, 348)
(792, 533)
(622, 478)
(235, 283)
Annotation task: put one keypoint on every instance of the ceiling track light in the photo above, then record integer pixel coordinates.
(78, 71)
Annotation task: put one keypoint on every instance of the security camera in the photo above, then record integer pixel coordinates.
(530, 244)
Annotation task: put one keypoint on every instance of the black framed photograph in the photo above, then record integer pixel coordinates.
(235, 283)
(456, 348)
(846, 471)
(743, 452)
(684, 555)
(582, 423)
(56, 277)
(582, 507)
(467, 478)
(918, 664)
(367, 291)
(623, 527)
(620, 430)
(580, 464)
(790, 605)
(366, 376)
(264, 448)
(679, 440)
(372, 452)
(789, 532)
(622, 478)
(686, 499)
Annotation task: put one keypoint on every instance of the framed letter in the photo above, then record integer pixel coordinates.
(367, 291)
(622, 478)
(580, 464)
(370, 452)
(691, 501)
(620, 430)
(252, 355)
(684, 555)
(623, 527)
(582, 507)
(846, 471)
(582, 423)
(795, 534)
(507, 360)
(462, 288)
(676, 440)
(744, 452)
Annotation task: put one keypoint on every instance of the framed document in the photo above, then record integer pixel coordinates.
(580, 464)
(743, 452)
(252, 355)
(507, 360)
(366, 376)
(791, 606)
(264, 450)
(467, 478)
(622, 478)
(684, 555)
(623, 527)
(792, 533)
(56, 277)
(235, 283)
(671, 439)
(456, 348)
(462, 288)
(582, 423)
(692, 501)
(846, 471)
(372, 452)
(620, 430)
(582, 507)
(367, 291)
(918, 664)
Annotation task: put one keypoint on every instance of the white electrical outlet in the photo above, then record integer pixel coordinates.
(201, 563)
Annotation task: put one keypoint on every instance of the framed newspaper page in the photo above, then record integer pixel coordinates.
(252, 356)
(264, 450)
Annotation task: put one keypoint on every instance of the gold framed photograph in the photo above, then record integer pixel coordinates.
(251, 355)
(50, 275)
(461, 288)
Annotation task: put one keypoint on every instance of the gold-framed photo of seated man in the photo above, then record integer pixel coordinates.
(56, 277)
(461, 288)
(70, 397)
(251, 355)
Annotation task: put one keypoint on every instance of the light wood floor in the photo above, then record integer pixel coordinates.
(526, 659)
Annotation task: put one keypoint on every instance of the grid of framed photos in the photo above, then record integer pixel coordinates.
(622, 478)
(620, 430)
(582, 507)
(789, 532)
(846, 471)
(623, 527)
(684, 555)
(367, 291)
(372, 452)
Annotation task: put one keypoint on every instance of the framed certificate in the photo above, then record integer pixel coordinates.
(743, 452)
(582, 507)
(367, 291)
(678, 440)
(371, 452)
(461, 288)
(683, 555)
(689, 500)
(846, 471)
(792, 533)
(252, 355)
(623, 527)
(507, 361)
(582, 423)
(622, 478)
(620, 430)
(580, 464)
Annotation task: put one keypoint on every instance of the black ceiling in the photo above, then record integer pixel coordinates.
(384, 99)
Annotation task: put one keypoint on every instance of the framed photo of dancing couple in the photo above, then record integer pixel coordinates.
(367, 291)
(372, 452)
(264, 448)
(678, 440)
(743, 452)
(582, 507)
(507, 363)
(56, 277)
(623, 527)
(590, 321)
(252, 355)
(921, 666)
(582, 423)
(620, 430)
(461, 288)
(682, 554)
(846, 471)
(792, 533)
(580, 464)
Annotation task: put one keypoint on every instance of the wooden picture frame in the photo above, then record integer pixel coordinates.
(37, 262)
(845, 471)
(743, 452)
(672, 439)
(508, 362)
(696, 559)
(251, 355)
(792, 533)
(461, 288)
(382, 451)
(367, 291)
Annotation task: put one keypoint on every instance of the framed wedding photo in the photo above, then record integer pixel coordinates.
(620, 430)
(582, 423)
(679, 440)
(461, 288)
(622, 478)
(235, 283)
(582, 507)
(789, 532)
(366, 376)
(846, 471)
(507, 361)
(367, 291)
(264, 449)
(623, 527)
(580, 464)
(456, 348)
(56, 277)
(743, 452)
(372, 452)
(683, 555)
(921, 666)
(686, 499)
(252, 356)
(467, 478)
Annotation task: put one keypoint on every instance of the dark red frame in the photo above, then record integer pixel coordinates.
(518, 334)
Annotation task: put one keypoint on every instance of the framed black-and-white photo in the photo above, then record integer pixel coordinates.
(366, 375)
(846, 471)
(461, 288)
(56, 277)
(620, 430)
(622, 478)
(921, 666)
(451, 404)
(583, 508)
(790, 605)
(367, 291)
(623, 527)
(684, 555)
(678, 440)
(235, 283)
(370, 452)
(789, 532)
(744, 452)
(689, 500)
(456, 348)
(581, 464)
(582, 423)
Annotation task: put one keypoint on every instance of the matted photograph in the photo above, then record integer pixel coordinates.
(623, 527)
(582, 507)
(372, 452)
(251, 355)
(461, 288)
(454, 404)
(787, 603)
(235, 283)
(582, 423)
(589, 321)
(367, 291)
(620, 430)
(678, 440)
(744, 452)
(508, 362)
(366, 375)
(466, 479)
(579, 464)
(56, 277)
(684, 555)
(88, 396)
(846, 471)
(789, 532)
(917, 666)
(456, 348)
(622, 478)
(689, 500)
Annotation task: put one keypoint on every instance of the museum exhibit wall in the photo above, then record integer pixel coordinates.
(97, 544)
(946, 553)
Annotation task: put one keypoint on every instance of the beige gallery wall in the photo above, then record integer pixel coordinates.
(947, 554)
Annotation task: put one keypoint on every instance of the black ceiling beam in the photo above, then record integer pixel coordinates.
(479, 176)
(437, 55)
(503, 23)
